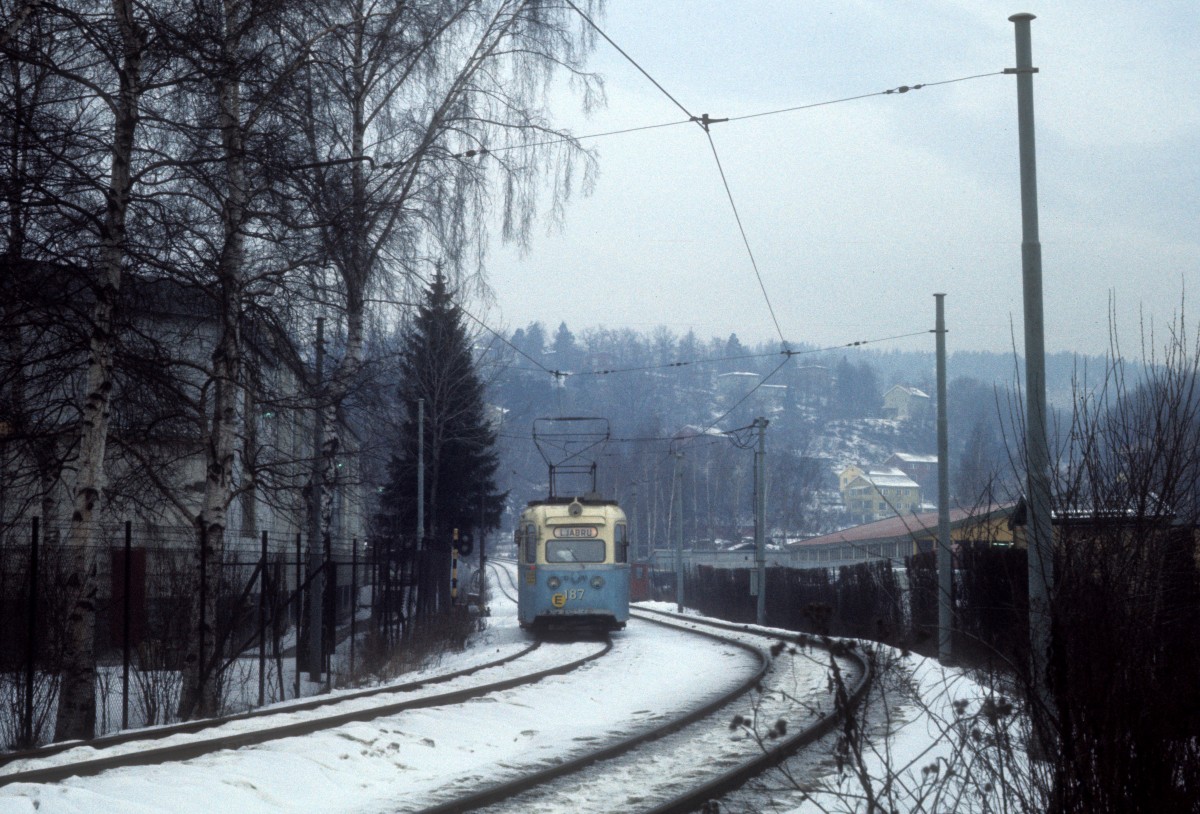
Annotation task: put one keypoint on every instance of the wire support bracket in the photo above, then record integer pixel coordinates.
(704, 120)
(1019, 70)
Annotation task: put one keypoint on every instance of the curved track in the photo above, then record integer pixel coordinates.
(525, 783)
(566, 780)
(578, 769)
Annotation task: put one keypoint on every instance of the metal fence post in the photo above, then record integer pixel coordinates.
(262, 624)
(31, 640)
(353, 598)
(299, 607)
(201, 668)
(127, 575)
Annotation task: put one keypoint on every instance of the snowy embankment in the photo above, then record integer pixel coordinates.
(402, 762)
(396, 763)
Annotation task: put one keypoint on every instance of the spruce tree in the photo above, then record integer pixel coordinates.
(436, 364)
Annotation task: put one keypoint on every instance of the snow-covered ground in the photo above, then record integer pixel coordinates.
(396, 763)
(407, 761)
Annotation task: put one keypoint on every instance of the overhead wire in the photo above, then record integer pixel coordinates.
(745, 240)
(714, 359)
(631, 60)
(889, 92)
(900, 89)
(704, 122)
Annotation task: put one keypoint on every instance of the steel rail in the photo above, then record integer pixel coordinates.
(738, 776)
(192, 727)
(694, 798)
(503, 791)
(189, 751)
(499, 569)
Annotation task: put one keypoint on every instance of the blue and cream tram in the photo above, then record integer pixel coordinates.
(573, 561)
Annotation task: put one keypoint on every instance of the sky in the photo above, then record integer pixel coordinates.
(858, 212)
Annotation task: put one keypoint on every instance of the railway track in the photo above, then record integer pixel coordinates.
(586, 781)
(140, 749)
(575, 774)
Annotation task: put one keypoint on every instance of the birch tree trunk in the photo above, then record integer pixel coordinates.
(77, 698)
(200, 694)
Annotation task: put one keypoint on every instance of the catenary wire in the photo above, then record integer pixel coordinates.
(889, 92)
(631, 60)
(704, 123)
(685, 363)
(745, 240)
(900, 89)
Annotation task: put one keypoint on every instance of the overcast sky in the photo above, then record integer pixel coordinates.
(859, 212)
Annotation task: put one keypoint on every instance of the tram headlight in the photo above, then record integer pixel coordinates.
(597, 582)
(553, 583)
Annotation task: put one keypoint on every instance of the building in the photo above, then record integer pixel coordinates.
(156, 458)
(878, 493)
(898, 537)
(906, 403)
(921, 468)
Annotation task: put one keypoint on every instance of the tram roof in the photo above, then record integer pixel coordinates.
(585, 500)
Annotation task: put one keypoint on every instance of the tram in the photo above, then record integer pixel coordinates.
(573, 565)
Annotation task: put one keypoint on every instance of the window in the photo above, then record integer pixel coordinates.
(621, 543)
(531, 543)
(574, 550)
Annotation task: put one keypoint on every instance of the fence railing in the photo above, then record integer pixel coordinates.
(267, 641)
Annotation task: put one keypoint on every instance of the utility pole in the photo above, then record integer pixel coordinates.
(420, 473)
(677, 526)
(316, 581)
(482, 556)
(945, 563)
(1037, 448)
(760, 518)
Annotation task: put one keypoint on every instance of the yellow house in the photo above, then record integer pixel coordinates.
(905, 402)
(878, 493)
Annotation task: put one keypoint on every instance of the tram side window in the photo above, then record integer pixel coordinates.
(531, 543)
(621, 543)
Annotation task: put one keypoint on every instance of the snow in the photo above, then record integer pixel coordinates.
(411, 760)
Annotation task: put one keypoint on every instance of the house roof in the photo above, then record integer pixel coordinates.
(909, 458)
(912, 391)
(1152, 509)
(886, 476)
(905, 527)
(900, 481)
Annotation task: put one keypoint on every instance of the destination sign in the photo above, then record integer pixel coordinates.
(576, 532)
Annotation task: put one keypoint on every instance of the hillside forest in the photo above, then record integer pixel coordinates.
(682, 401)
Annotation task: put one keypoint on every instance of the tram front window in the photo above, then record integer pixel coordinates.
(574, 551)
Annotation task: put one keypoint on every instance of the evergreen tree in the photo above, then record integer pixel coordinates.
(436, 365)
(566, 354)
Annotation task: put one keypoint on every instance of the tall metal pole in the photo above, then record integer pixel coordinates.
(314, 653)
(299, 611)
(31, 625)
(1037, 448)
(353, 600)
(677, 523)
(202, 668)
(420, 471)
(760, 519)
(262, 622)
(127, 577)
(482, 556)
(945, 564)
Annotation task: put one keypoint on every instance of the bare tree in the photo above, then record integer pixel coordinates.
(106, 77)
